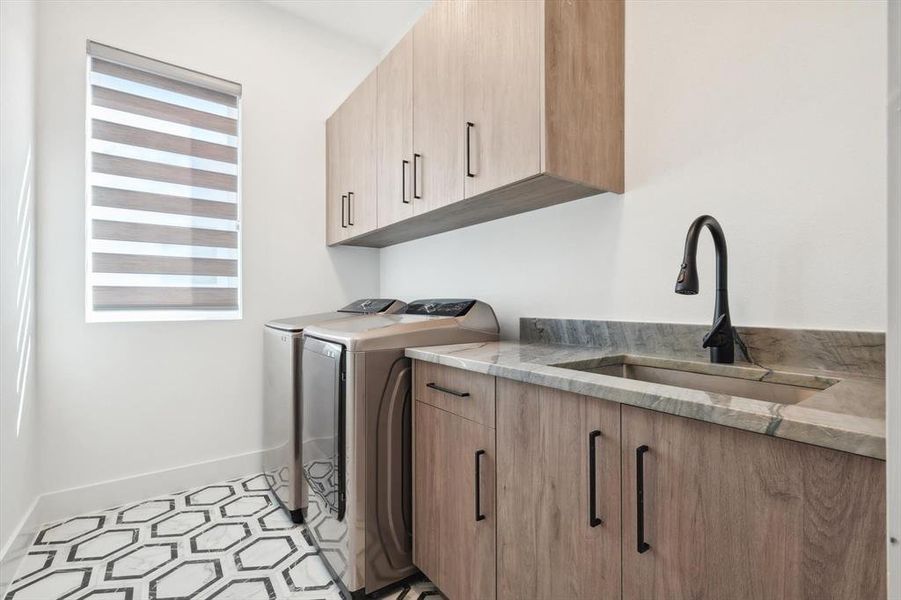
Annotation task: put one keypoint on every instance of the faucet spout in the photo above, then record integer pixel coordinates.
(720, 339)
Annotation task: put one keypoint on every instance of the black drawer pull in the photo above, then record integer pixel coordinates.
(403, 181)
(435, 386)
(469, 172)
(343, 211)
(593, 519)
(417, 194)
(350, 208)
(643, 546)
(479, 515)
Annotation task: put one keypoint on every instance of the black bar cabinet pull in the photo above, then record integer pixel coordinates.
(643, 546)
(416, 193)
(343, 211)
(469, 172)
(403, 181)
(435, 386)
(350, 208)
(479, 515)
(593, 519)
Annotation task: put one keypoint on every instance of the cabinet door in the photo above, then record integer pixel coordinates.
(454, 510)
(395, 133)
(734, 514)
(335, 184)
(430, 464)
(438, 122)
(551, 543)
(358, 149)
(502, 92)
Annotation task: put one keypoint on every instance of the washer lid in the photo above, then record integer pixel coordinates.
(357, 307)
(395, 331)
(297, 324)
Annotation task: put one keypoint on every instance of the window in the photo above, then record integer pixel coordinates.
(162, 191)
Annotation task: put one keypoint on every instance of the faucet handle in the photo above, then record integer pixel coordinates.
(720, 335)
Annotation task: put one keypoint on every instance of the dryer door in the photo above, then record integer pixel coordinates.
(324, 384)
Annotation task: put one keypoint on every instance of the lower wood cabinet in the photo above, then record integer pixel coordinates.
(732, 514)
(558, 494)
(454, 513)
(600, 500)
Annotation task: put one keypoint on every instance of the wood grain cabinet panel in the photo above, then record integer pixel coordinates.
(679, 508)
(438, 63)
(453, 530)
(583, 92)
(503, 85)
(430, 466)
(734, 514)
(351, 163)
(335, 182)
(464, 393)
(358, 146)
(551, 543)
(394, 119)
(516, 105)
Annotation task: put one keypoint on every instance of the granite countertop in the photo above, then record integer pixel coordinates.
(848, 414)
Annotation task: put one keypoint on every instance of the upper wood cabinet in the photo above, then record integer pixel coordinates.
(394, 117)
(438, 122)
(725, 513)
(359, 132)
(582, 91)
(503, 87)
(351, 165)
(335, 194)
(516, 105)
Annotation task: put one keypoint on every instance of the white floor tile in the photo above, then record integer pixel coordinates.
(229, 541)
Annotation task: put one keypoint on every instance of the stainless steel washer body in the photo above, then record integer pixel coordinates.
(282, 345)
(356, 434)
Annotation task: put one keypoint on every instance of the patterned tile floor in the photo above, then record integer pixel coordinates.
(228, 541)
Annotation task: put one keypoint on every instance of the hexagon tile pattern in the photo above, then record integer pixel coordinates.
(225, 541)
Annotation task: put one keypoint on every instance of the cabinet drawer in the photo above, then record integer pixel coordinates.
(463, 393)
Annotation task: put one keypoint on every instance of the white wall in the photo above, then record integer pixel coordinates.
(18, 411)
(120, 399)
(769, 116)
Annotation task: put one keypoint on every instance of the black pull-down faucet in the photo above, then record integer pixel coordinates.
(720, 339)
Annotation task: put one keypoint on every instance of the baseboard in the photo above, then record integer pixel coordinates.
(61, 504)
(108, 494)
(17, 545)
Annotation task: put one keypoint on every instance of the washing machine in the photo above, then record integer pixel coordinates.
(356, 433)
(282, 343)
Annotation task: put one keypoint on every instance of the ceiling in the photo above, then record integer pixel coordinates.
(378, 24)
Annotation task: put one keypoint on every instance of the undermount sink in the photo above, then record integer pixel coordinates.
(684, 377)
